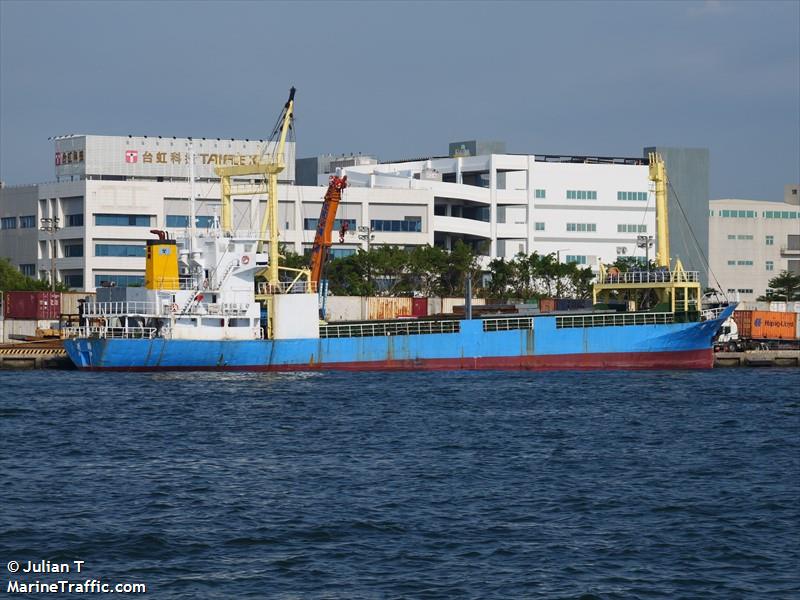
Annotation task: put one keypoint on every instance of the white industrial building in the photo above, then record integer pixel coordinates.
(752, 241)
(111, 190)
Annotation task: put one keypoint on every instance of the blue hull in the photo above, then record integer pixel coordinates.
(675, 345)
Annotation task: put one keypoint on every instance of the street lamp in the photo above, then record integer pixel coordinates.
(646, 242)
(50, 225)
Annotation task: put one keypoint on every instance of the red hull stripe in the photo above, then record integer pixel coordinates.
(689, 359)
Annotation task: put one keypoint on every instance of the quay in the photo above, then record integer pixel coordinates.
(758, 358)
(48, 354)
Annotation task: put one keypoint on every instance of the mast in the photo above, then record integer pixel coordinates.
(658, 175)
(192, 217)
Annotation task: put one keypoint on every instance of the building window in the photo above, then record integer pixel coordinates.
(122, 220)
(311, 224)
(8, 223)
(73, 281)
(731, 263)
(413, 224)
(118, 280)
(182, 221)
(581, 195)
(27, 222)
(739, 237)
(73, 250)
(341, 252)
(770, 240)
(780, 214)
(123, 250)
(28, 270)
(578, 260)
(75, 220)
(639, 196)
(770, 266)
(745, 291)
(538, 226)
(738, 214)
(541, 194)
(711, 213)
(581, 227)
(631, 228)
(744, 263)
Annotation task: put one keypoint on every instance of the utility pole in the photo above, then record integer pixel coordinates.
(50, 225)
(365, 234)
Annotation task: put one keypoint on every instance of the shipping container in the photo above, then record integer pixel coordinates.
(547, 305)
(24, 327)
(32, 305)
(419, 307)
(379, 309)
(572, 304)
(69, 301)
(766, 325)
(449, 303)
(344, 308)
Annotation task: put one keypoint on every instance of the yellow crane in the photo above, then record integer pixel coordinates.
(269, 170)
(674, 288)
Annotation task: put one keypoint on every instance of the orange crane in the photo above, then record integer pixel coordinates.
(322, 239)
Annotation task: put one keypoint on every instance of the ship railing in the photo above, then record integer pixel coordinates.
(508, 324)
(105, 309)
(651, 277)
(110, 332)
(287, 287)
(614, 320)
(709, 314)
(389, 328)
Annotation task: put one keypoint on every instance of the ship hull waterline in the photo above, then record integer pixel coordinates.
(543, 347)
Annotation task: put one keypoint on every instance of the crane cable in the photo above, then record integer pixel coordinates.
(697, 243)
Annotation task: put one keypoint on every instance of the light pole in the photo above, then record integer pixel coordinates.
(646, 242)
(558, 260)
(365, 235)
(50, 225)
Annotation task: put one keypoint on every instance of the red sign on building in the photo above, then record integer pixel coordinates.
(131, 156)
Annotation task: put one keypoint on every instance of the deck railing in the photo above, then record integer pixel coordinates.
(651, 277)
(508, 324)
(111, 332)
(388, 328)
(614, 320)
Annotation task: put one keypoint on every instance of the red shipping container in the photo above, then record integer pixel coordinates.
(419, 307)
(547, 305)
(32, 305)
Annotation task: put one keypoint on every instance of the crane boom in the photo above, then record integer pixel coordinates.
(322, 238)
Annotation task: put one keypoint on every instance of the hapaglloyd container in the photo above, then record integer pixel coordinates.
(32, 305)
(766, 325)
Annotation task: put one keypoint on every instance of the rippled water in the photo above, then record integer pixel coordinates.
(398, 485)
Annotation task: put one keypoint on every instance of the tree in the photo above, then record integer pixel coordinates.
(12, 280)
(786, 286)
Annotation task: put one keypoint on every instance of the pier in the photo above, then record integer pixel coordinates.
(758, 358)
(48, 354)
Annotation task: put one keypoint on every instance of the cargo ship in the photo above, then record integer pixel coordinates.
(203, 307)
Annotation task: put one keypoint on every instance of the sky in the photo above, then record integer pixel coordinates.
(403, 79)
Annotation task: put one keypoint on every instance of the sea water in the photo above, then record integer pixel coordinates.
(591, 485)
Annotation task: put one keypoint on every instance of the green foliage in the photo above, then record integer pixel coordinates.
(12, 280)
(631, 263)
(537, 276)
(785, 286)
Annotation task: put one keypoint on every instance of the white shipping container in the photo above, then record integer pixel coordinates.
(344, 308)
(449, 303)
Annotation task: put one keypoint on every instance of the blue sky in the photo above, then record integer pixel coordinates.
(397, 79)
